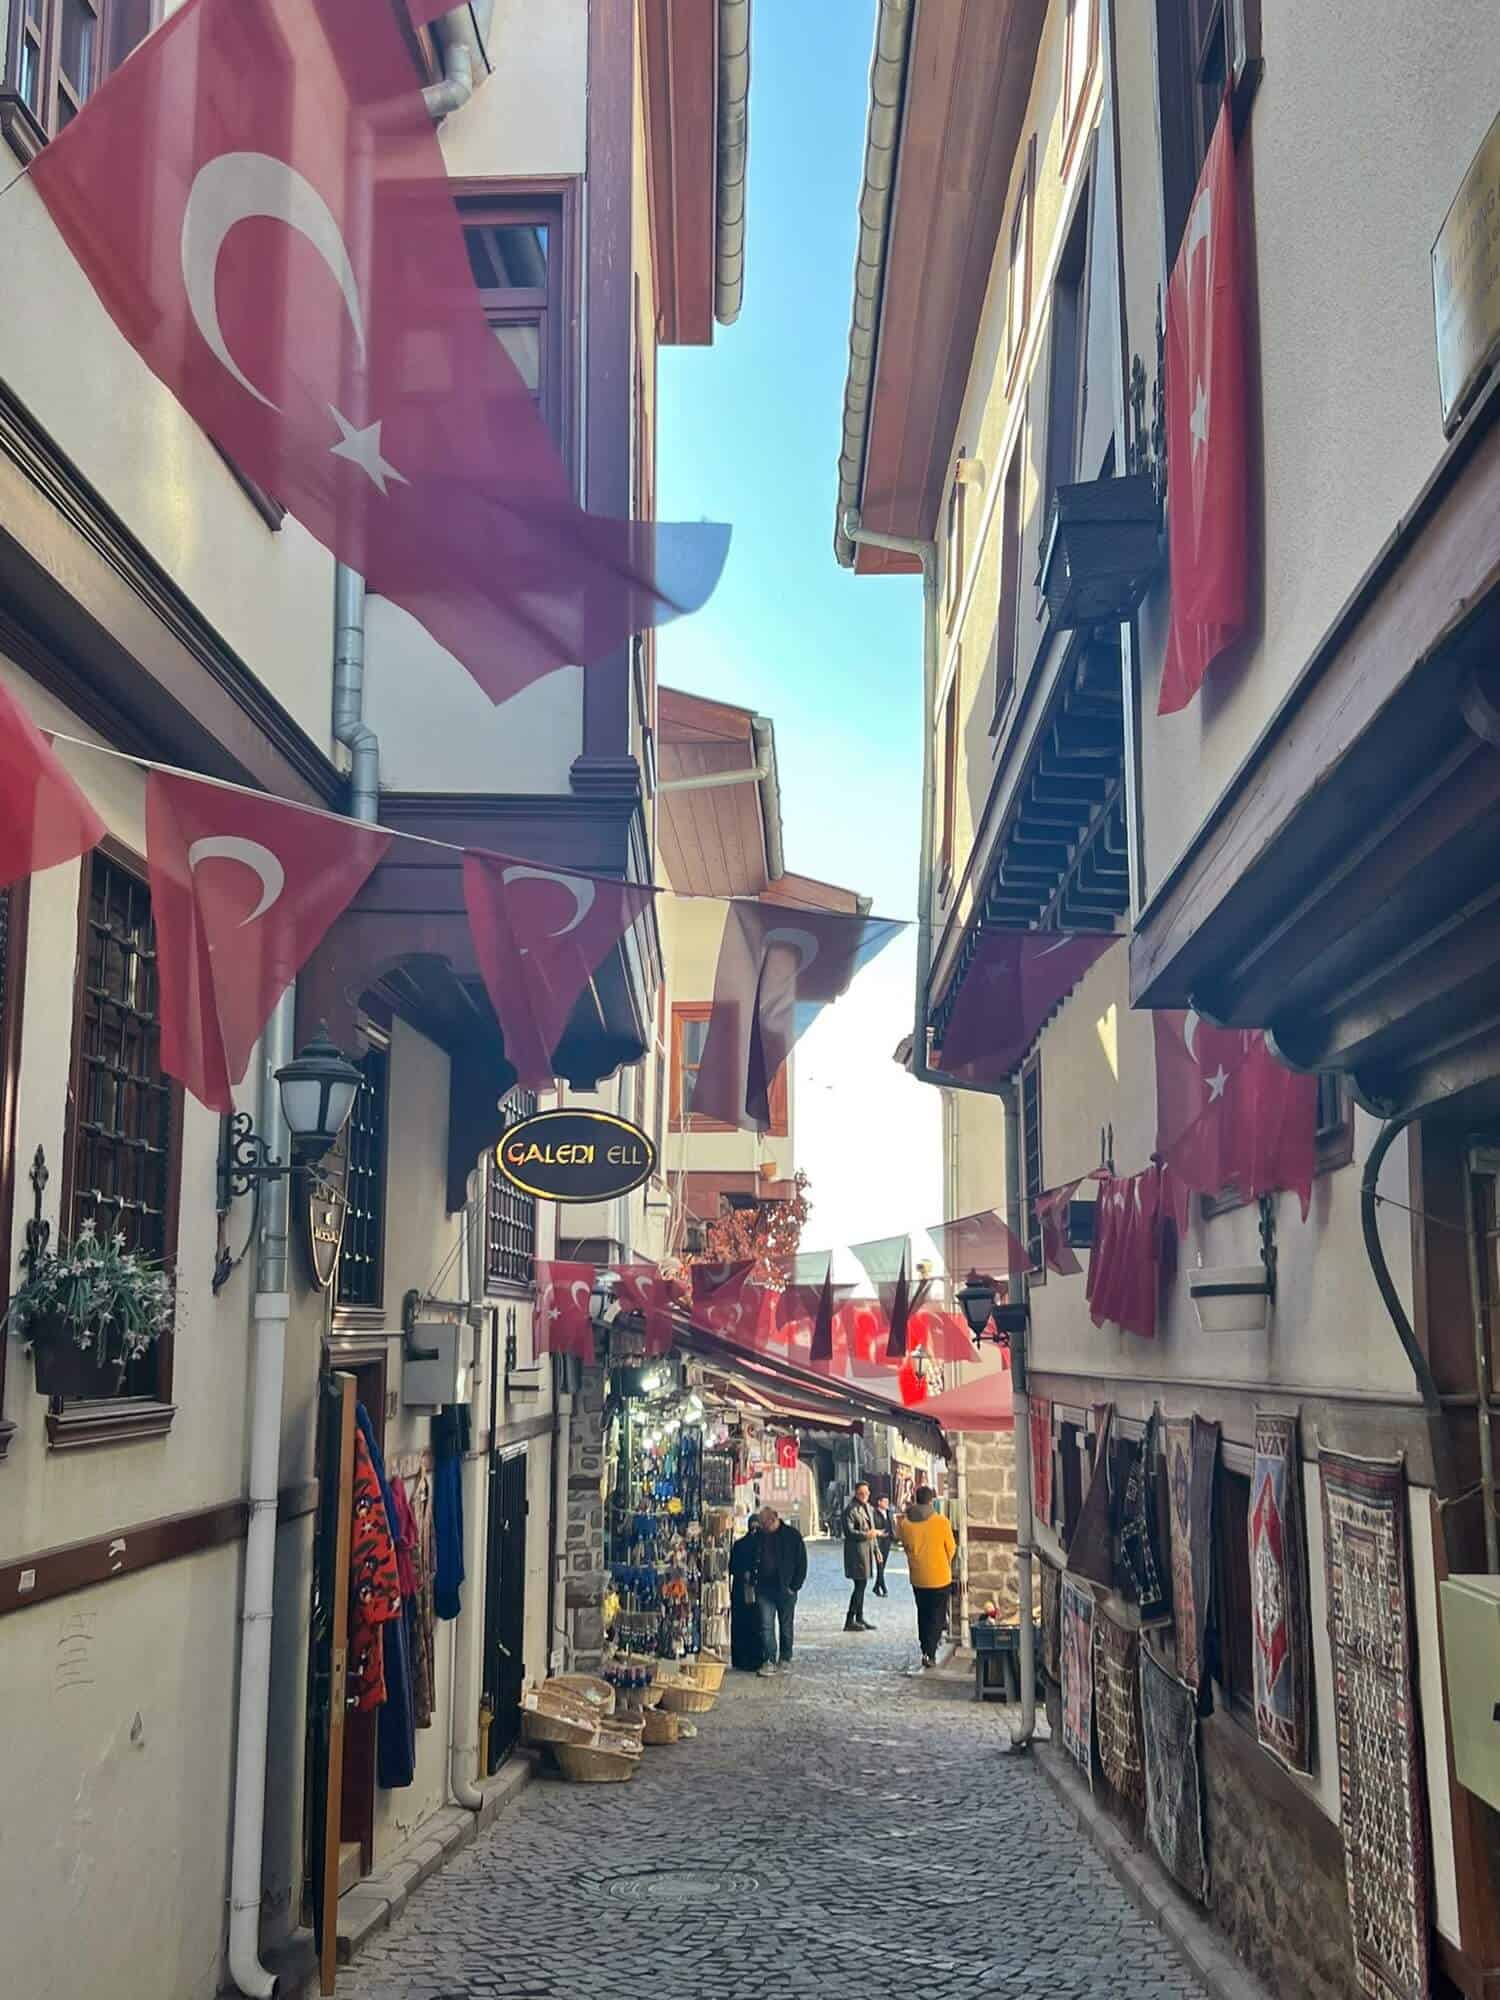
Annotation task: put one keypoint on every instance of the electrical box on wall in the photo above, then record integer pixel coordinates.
(1471, 1653)
(433, 1370)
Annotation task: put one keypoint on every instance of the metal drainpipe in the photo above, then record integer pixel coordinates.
(272, 1308)
(462, 31)
(349, 725)
(926, 554)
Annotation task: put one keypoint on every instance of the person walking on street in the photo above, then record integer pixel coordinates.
(859, 1555)
(927, 1537)
(778, 1569)
(885, 1534)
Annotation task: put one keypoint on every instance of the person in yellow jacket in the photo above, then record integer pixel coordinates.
(927, 1537)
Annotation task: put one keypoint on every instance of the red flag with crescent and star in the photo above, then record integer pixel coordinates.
(44, 817)
(243, 891)
(564, 1314)
(1017, 981)
(1229, 1114)
(540, 935)
(260, 202)
(779, 965)
(727, 1301)
(1208, 432)
(642, 1289)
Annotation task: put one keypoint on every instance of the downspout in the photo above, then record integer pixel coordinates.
(272, 1308)
(763, 775)
(349, 725)
(462, 33)
(926, 552)
(734, 153)
(562, 1451)
(463, 1708)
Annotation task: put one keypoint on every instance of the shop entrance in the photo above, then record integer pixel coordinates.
(505, 1602)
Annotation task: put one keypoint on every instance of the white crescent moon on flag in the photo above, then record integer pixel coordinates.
(260, 860)
(575, 1288)
(802, 942)
(231, 188)
(1190, 1032)
(579, 887)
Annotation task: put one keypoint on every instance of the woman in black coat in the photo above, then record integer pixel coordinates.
(746, 1652)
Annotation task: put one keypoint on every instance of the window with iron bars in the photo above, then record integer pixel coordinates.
(361, 1279)
(510, 1215)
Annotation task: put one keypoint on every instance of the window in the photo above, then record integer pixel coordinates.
(510, 1215)
(659, 1101)
(1335, 1122)
(1065, 382)
(1234, 1612)
(1080, 65)
(1032, 1183)
(123, 1139)
(519, 245)
(12, 966)
(1008, 614)
(56, 54)
(950, 778)
(361, 1279)
(1201, 45)
(1070, 1449)
(1018, 269)
(689, 1034)
(953, 540)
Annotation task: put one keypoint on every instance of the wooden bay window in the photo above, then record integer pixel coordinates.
(690, 1019)
(521, 238)
(56, 53)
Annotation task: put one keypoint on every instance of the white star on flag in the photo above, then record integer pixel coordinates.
(1217, 1082)
(1198, 424)
(362, 448)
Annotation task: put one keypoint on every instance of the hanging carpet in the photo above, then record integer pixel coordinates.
(1051, 1622)
(1192, 1452)
(1078, 1675)
(1117, 1707)
(1174, 1796)
(1278, 1594)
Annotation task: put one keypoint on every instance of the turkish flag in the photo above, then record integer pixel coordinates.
(44, 817)
(1052, 1214)
(1016, 982)
(726, 1301)
(564, 1315)
(540, 935)
(1208, 432)
(912, 1384)
(779, 964)
(821, 1350)
(788, 1454)
(1229, 1114)
(979, 1245)
(1124, 1279)
(243, 890)
(642, 1289)
(943, 1335)
(259, 199)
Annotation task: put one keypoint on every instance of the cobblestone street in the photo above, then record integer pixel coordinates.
(846, 1830)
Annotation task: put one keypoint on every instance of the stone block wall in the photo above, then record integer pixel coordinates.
(586, 1572)
(990, 1506)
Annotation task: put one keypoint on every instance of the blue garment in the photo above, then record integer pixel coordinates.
(450, 1440)
(396, 1725)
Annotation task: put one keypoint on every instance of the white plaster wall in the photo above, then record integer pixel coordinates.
(530, 117)
(269, 595)
(116, 1739)
(1364, 123)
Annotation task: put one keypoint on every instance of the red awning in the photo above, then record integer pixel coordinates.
(985, 1404)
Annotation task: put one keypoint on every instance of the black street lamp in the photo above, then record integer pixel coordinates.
(989, 1318)
(318, 1088)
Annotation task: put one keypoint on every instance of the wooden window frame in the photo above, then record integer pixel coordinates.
(1019, 246)
(1078, 77)
(953, 540)
(1189, 34)
(1068, 352)
(498, 1284)
(1033, 1184)
(948, 850)
(683, 1012)
(1007, 638)
(88, 1421)
(363, 1315)
(553, 201)
(15, 904)
(28, 130)
(1233, 1611)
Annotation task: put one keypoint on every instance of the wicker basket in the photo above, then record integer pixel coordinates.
(583, 1766)
(705, 1673)
(538, 1726)
(661, 1727)
(598, 1693)
(683, 1699)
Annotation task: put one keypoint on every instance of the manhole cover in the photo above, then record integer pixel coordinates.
(682, 1885)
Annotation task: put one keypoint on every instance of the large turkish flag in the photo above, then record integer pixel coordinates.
(44, 817)
(1016, 982)
(259, 200)
(243, 890)
(563, 1321)
(540, 934)
(1208, 432)
(1228, 1113)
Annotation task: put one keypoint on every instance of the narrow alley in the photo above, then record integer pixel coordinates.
(825, 1833)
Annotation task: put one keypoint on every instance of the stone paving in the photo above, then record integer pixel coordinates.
(847, 1830)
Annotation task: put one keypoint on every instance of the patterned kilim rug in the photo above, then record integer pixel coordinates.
(1117, 1707)
(1051, 1622)
(1078, 1676)
(1192, 1451)
(1174, 1798)
(1091, 1551)
(1380, 1780)
(1278, 1594)
(1040, 1415)
(1144, 1572)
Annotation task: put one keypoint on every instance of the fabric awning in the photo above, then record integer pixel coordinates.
(985, 1404)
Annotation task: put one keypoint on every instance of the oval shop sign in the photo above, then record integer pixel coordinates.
(575, 1155)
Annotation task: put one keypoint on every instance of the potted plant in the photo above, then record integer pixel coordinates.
(89, 1308)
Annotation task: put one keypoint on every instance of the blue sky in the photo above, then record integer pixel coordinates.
(748, 432)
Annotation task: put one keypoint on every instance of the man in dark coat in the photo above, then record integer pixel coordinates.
(778, 1570)
(885, 1532)
(859, 1555)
